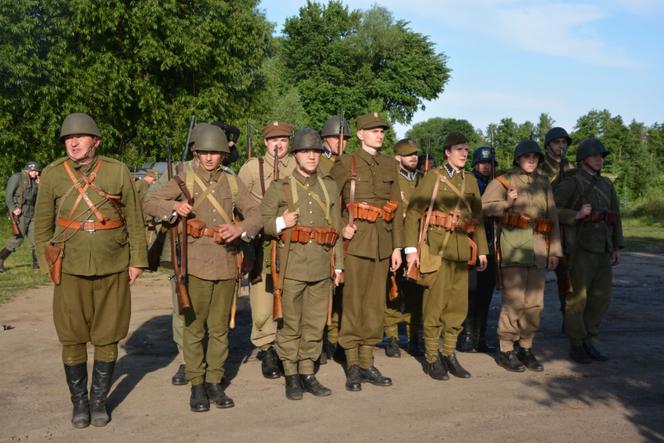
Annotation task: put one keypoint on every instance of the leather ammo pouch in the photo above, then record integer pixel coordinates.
(364, 211)
(609, 217)
(195, 227)
(323, 236)
(54, 255)
(389, 209)
(515, 220)
(542, 225)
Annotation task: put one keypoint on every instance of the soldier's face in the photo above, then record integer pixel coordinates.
(209, 160)
(528, 162)
(408, 162)
(332, 143)
(594, 162)
(307, 161)
(484, 168)
(33, 174)
(278, 143)
(81, 147)
(372, 138)
(557, 146)
(457, 155)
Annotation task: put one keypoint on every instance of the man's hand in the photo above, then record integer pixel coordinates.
(412, 260)
(338, 278)
(349, 231)
(290, 218)
(512, 195)
(182, 208)
(230, 232)
(482, 263)
(615, 257)
(134, 273)
(17, 211)
(584, 211)
(552, 263)
(396, 260)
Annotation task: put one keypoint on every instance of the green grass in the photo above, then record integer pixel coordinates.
(643, 236)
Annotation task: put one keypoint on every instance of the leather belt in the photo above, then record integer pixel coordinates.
(90, 226)
(324, 236)
(522, 221)
(452, 222)
(365, 211)
(609, 217)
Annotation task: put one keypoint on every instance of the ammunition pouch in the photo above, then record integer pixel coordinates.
(608, 217)
(365, 211)
(452, 221)
(522, 221)
(323, 236)
(197, 228)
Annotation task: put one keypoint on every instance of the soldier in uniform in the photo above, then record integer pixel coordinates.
(143, 185)
(213, 239)
(334, 126)
(20, 197)
(556, 143)
(407, 305)
(588, 208)
(303, 211)
(529, 245)
(368, 183)
(87, 207)
(257, 174)
(454, 237)
(480, 284)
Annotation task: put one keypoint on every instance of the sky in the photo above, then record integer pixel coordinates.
(519, 58)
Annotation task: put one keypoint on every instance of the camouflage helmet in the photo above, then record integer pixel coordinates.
(527, 147)
(333, 127)
(306, 139)
(79, 123)
(588, 147)
(555, 133)
(210, 138)
(32, 166)
(484, 154)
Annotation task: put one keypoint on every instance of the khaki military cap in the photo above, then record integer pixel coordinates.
(277, 129)
(453, 139)
(370, 121)
(406, 146)
(152, 173)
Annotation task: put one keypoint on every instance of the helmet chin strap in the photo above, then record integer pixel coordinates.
(87, 155)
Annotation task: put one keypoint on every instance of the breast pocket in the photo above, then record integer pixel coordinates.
(384, 187)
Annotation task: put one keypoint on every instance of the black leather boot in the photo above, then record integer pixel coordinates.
(4, 253)
(102, 375)
(35, 262)
(180, 378)
(215, 393)
(509, 361)
(465, 342)
(77, 380)
(594, 353)
(437, 369)
(392, 348)
(526, 357)
(578, 354)
(313, 386)
(270, 363)
(455, 367)
(373, 376)
(199, 402)
(353, 379)
(293, 387)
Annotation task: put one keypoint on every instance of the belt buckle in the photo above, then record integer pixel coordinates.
(89, 226)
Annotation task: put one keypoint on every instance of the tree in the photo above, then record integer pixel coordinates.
(431, 133)
(545, 123)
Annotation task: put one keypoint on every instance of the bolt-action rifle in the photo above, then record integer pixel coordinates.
(277, 311)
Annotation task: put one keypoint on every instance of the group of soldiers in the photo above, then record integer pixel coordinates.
(340, 249)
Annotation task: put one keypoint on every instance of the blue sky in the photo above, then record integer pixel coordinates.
(518, 58)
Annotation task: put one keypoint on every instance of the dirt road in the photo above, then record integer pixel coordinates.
(621, 400)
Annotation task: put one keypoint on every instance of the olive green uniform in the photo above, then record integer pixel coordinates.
(368, 254)
(524, 254)
(92, 302)
(444, 261)
(410, 294)
(21, 192)
(211, 267)
(264, 328)
(590, 245)
(307, 279)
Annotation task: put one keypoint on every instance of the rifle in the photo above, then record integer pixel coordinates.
(341, 135)
(16, 231)
(277, 312)
(185, 151)
(497, 230)
(248, 140)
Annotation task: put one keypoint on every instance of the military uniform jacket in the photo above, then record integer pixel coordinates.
(451, 245)
(250, 174)
(376, 184)
(524, 247)
(102, 252)
(407, 182)
(306, 262)
(207, 259)
(326, 163)
(577, 190)
(551, 169)
(21, 191)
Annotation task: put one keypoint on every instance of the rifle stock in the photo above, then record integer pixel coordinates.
(277, 311)
(16, 231)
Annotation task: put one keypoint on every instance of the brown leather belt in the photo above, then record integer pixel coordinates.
(324, 236)
(522, 221)
(452, 222)
(197, 229)
(365, 211)
(90, 225)
(609, 217)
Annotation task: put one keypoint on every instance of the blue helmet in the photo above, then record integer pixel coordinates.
(484, 154)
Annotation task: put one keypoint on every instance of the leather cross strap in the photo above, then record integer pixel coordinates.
(324, 206)
(82, 190)
(261, 174)
(207, 193)
(353, 179)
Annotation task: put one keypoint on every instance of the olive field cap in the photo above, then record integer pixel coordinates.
(333, 125)
(79, 123)
(210, 138)
(590, 146)
(527, 147)
(370, 121)
(453, 139)
(484, 154)
(555, 133)
(277, 129)
(306, 139)
(406, 146)
(152, 173)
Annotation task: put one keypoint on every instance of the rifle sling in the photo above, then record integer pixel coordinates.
(287, 240)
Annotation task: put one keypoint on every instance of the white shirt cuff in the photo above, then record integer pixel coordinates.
(281, 224)
(410, 250)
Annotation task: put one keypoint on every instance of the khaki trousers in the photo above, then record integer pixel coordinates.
(263, 328)
(300, 340)
(522, 303)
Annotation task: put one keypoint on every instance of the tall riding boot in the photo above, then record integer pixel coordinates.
(466, 341)
(102, 375)
(77, 380)
(4, 253)
(35, 262)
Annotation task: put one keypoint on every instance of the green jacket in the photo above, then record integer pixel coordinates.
(21, 191)
(102, 252)
(551, 169)
(577, 190)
